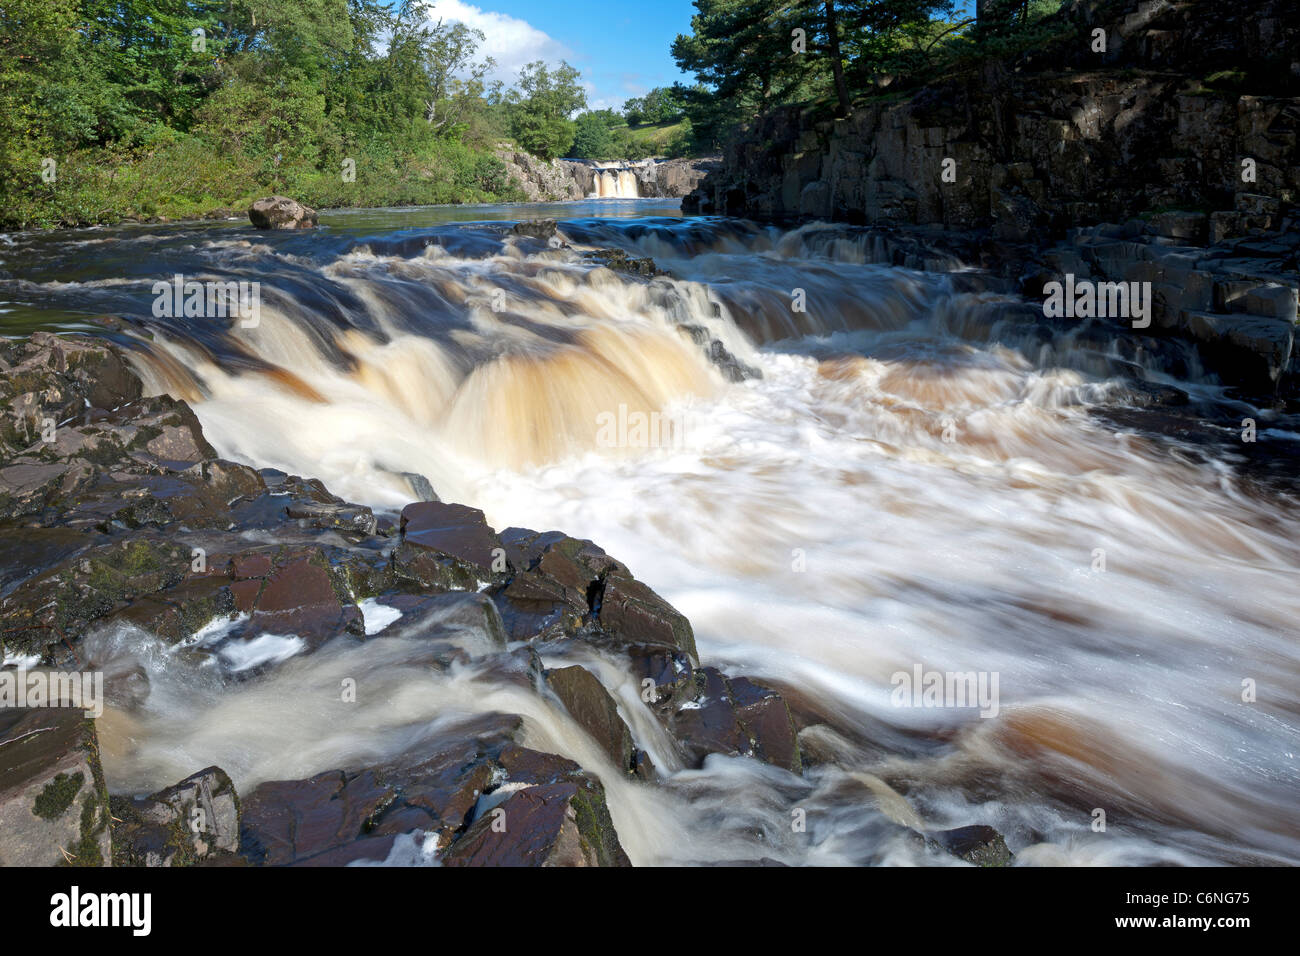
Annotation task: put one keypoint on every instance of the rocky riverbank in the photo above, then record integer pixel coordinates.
(115, 512)
(1169, 157)
(558, 180)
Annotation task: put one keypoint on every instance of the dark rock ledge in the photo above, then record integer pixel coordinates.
(114, 510)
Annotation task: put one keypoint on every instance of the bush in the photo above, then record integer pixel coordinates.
(592, 138)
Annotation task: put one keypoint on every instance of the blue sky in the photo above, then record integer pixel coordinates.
(622, 49)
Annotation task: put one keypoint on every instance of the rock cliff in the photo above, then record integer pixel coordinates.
(1169, 158)
(1192, 106)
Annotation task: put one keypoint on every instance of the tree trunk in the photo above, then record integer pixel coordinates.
(837, 64)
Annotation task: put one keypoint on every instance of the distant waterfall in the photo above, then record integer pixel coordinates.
(614, 181)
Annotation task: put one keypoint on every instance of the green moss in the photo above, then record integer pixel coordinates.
(105, 452)
(1232, 80)
(140, 558)
(58, 795)
(144, 435)
(594, 824)
(181, 839)
(86, 852)
(105, 579)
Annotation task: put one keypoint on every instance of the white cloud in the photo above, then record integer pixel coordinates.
(512, 42)
(597, 102)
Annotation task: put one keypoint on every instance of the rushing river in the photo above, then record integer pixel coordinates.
(901, 475)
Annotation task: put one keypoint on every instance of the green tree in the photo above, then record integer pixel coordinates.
(592, 138)
(754, 56)
(541, 106)
(663, 104)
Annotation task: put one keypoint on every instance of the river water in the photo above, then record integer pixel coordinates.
(911, 477)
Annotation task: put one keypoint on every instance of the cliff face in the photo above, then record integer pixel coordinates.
(667, 178)
(541, 180)
(562, 179)
(1063, 137)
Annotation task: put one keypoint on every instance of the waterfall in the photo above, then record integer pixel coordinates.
(916, 475)
(613, 181)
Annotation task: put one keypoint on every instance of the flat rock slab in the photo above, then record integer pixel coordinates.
(53, 803)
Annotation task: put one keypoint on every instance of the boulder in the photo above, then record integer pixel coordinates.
(590, 704)
(620, 261)
(631, 613)
(547, 812)
(448, 787)
(979, 845)
(556, 824)
(535, 228)
(711, 713)
(194, 821)
(281, 212)
(447, 547)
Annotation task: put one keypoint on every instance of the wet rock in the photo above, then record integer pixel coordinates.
(421, 487)
(450, 614)
(591, 705)
(535, 228)
(288, 822)
(281, 212)
(447, 547)
(439, 786)
(63, 602)
(522, 668)
(733, 716)
(670, 675)
(632, 613)
(177, 613)
(457, 531)
(551, 590)
(719, 355)
(620, 261)
(54, 808)
(337, 516)
(543, 811)
(1249, 349)
(643, 767)
(299, 597)
(980, 845)
(56, 379)
(1143, 394)
(556, 824)
(195, 821)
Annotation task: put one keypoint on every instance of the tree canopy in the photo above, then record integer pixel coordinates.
(109, 108)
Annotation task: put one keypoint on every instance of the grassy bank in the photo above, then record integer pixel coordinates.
(660, 139)
(184, 176)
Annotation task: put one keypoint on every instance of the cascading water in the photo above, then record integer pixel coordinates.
(916, 476)
(615, 181)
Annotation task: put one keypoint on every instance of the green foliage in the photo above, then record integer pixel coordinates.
(540, 109)
(592, 138)
(751, 56)
(177, 108)
(663, 104)
(665, 139)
